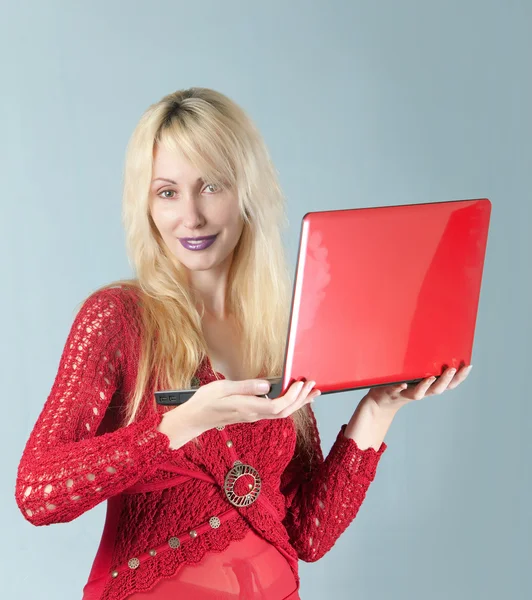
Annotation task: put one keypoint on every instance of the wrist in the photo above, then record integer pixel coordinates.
(181, 425)
(378, 411)
(193, 418)
(369, 425)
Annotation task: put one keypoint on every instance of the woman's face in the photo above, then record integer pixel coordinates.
(200, 223)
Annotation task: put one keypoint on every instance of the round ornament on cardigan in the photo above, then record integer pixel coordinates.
(252, 485)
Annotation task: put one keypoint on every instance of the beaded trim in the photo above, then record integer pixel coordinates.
(175, 542)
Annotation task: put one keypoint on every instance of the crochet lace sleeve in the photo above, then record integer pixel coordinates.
(324, 496)
(66, 469)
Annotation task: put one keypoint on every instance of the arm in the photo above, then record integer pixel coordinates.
(65, 468)
(324, 496)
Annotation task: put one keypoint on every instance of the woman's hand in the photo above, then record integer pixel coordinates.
(224, 402)
(393, 397)
(374, 415)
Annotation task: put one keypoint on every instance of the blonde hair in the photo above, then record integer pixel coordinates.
(221, 141)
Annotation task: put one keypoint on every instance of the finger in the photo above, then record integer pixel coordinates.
(306, 395)
(305, 391)
(269, 407)
(258, 407)
(399, 387)
(443, 381)
(252, 387)
(313, 395)
(278, 405)
(422, 388)
(460, 377)
(293, 399)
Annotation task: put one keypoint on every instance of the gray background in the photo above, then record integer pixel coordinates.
(361, 104)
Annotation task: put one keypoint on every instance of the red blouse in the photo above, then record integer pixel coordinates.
(168, 510)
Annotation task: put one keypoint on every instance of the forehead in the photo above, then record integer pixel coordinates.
(173, 165)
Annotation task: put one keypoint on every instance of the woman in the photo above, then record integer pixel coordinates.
(219, 497)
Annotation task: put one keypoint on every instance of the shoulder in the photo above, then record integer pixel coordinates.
(107, 322)
(112, 302)
(107, 313)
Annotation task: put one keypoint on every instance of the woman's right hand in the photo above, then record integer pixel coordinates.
(225, 402)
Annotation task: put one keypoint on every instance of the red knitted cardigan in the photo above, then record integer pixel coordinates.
(168, 507)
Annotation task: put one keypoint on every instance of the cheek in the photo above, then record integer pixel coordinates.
(164, 219)
(233, 224)
(239, 228)
(233, 218)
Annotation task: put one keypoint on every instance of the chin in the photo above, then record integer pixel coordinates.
(200, 263)
(199, 268)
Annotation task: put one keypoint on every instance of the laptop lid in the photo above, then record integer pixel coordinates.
(385, 295)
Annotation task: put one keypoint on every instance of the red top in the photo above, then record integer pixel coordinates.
(249, 569)
(168, 507)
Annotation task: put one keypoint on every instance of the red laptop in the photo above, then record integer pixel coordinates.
(385, 295)
(382, 295)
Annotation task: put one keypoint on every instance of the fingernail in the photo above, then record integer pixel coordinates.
(263, 386)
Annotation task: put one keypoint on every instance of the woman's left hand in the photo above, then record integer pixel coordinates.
(392, 397)
(376, 411)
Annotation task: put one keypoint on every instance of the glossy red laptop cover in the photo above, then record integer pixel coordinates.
(387, 294)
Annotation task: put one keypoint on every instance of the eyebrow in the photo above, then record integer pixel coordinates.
(172, 181)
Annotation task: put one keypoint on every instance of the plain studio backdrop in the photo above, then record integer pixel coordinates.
(361, 104)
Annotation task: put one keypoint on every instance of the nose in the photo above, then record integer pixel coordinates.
(192, 216)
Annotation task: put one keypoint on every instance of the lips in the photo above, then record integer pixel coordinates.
(198, 243)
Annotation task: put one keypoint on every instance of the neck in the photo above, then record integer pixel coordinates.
(210, 287)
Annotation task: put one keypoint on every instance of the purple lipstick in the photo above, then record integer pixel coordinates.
(197, 243)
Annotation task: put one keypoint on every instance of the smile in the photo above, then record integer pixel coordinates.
(198, 243)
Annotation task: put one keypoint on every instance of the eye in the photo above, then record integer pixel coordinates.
(213, 187)
(166, 197)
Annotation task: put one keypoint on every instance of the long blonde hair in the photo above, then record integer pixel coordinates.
(219, 139)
